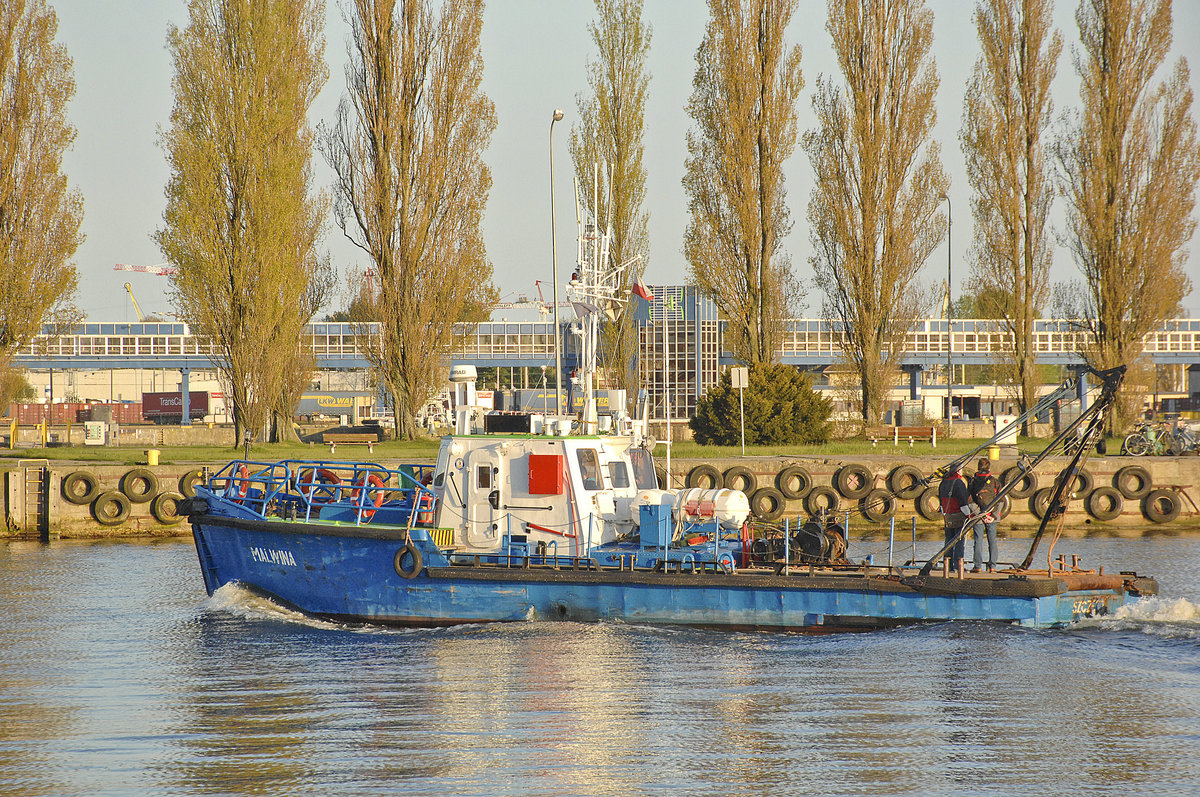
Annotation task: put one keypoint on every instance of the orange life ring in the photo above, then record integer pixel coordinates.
(243, 475)
(375, 482)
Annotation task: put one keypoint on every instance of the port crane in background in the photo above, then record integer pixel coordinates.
(158, 269)
(136, 309)
(161, 269)
(544, 307)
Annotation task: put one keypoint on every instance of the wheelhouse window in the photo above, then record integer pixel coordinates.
(618, 475)
(643, 469)
(589, 469)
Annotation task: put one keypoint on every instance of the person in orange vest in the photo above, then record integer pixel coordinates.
(956, 505)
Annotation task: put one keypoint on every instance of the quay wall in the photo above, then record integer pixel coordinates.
(63, 519)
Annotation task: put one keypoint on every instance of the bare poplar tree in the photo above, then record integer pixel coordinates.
(610, 135)
(1129, 166)
(743, 104)
(411, 184)
(879, 182)
(39, 215)
(242, 222)
(1006, 114)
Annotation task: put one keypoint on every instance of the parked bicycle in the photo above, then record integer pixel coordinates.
(1163, 438)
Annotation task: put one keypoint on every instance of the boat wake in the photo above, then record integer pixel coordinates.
(1172, 618)
(236, 601)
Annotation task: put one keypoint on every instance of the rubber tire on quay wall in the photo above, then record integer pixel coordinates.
(740, 473)
(660, 476)
(1028, 485)
(928, 505)
(1104, 503)
(188, 482)
(845, 477)
(704, 473)
(768, 504)
(81, 477)
(879, 505)
(812, 501)
(1084, 484)
(166, 508)
(905, 481)
(139, 485)
(1040, 502)
(1161, 506)
(111, 508)
(1006, 506)
(803, 479)
(1133, 473)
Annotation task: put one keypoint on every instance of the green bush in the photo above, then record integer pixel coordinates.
(781, 409)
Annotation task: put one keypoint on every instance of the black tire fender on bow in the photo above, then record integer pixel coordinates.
(81, 487)
(408, 561)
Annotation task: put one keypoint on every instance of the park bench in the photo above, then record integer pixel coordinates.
(898, 433)
(334, 439)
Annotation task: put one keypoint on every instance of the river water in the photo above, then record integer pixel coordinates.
(118, 675)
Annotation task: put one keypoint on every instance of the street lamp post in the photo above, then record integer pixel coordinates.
(558, 407)
(949, 316)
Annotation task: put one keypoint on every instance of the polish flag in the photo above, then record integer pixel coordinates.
(641, 290)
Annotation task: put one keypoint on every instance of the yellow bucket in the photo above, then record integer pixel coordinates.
(993, 453)
(152, 456)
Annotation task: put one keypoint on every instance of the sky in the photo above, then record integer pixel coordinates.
(535, 53)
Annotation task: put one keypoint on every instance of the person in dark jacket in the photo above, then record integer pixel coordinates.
(956, 505)
(983, 489)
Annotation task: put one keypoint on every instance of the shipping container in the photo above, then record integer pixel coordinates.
(127, 413)
(167, 408)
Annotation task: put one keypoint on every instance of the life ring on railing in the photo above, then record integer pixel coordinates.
(325, 480)
(372, 480)
(238, 491)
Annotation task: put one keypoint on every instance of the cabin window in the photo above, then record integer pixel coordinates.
(618, 475)
(483, 477)
(589, 469)
(643, 469)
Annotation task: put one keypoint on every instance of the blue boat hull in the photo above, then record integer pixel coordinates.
(353, 573)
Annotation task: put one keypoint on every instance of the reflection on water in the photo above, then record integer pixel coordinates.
(118, 675)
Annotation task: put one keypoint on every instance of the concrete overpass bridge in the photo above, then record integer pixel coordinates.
(809, 343)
